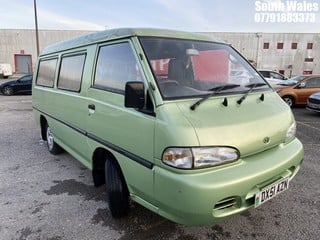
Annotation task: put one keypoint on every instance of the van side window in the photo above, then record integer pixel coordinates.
(116, 65)
(71, 70)
(46, 72)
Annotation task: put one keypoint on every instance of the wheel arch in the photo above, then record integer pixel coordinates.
(43, 123)
(100, 156)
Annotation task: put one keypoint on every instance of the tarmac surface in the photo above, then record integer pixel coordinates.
(46, 197)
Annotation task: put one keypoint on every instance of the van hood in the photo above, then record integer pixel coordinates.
(252, 126)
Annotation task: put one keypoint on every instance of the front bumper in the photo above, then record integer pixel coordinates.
(207, 196)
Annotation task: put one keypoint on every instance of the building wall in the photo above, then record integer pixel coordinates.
(251, 45)
(290, 61)
(23, 42)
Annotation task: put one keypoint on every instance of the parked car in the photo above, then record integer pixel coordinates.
(272, 77)
(297, 90)
(313, 102)
(293, 80)
(22, 85)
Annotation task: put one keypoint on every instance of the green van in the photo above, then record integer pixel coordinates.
(178, 122)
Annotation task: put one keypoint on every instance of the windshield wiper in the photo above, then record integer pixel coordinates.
(214, 90)
(251, 86)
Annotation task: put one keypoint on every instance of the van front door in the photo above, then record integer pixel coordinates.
(127, 133)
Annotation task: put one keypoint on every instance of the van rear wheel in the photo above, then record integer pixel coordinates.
(53, 147)
(118, 194)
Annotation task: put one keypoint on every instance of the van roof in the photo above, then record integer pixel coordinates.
(123, 33)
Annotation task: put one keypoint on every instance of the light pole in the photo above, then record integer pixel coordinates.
(258, 35)
(36, 25)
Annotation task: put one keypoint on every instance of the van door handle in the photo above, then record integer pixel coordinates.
(92, 107)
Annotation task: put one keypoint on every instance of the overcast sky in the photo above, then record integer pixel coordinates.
(190, 15)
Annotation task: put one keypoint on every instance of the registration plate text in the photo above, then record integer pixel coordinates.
(271, 191)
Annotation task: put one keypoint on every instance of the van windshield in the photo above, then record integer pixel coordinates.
(189, 68)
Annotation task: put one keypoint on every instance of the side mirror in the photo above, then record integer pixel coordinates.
(134, 96)
(302, 85)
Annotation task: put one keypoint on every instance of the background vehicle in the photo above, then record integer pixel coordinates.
(5, 70)
(272, 77)
(313, 102)
(296, 92)
(22, 85)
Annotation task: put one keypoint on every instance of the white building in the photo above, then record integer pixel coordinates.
(288, 53)
(18, 46)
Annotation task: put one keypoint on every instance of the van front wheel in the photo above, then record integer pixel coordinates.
(51, 144)
(118, 194)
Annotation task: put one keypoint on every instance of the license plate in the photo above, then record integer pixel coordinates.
(271, 191)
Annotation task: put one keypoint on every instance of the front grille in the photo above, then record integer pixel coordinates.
(225, 203)
(314, 100)
(313, 105)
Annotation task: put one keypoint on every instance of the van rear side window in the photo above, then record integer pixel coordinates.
(71, 70)
(46, 72)
(116, 65)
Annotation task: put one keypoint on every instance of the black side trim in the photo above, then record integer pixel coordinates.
(120, 150)
(79, 130)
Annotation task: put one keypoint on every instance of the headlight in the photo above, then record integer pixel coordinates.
(212, 156)
(188, 158)
(178, 157)
(291, 132)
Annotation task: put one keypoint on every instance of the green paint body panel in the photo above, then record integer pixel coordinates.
(185, 196)
(190, 197)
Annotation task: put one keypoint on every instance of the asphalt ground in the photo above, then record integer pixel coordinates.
(46, 197)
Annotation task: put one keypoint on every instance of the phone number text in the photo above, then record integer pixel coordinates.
(285, 17)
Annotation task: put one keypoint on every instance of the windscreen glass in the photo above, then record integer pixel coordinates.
(185, 68)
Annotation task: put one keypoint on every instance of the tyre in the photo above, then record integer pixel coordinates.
(53, 147)
(118, 194)
(7, 91)
(288, 100)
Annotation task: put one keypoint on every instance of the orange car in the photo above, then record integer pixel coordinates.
(296, 90)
